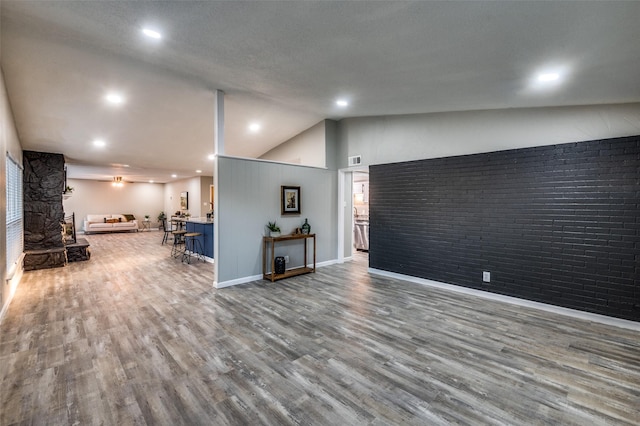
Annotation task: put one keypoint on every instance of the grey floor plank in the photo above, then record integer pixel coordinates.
(134, 337)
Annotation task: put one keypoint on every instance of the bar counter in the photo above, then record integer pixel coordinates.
(205, 227)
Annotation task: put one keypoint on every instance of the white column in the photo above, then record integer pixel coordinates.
(218, 149)
(218, 122)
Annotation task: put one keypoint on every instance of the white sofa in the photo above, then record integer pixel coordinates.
(109, 223)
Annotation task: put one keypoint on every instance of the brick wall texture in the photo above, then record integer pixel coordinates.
(554, 224)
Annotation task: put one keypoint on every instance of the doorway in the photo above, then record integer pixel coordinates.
(353, 216)
(360, 217)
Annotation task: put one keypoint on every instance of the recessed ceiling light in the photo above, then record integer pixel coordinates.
(548, 77)
(211, 156)
(125, 165)
(342, 103)
(151, 33)
(174, 176)
(198, 171)
(99, 143)
(254, 127)
(150, 181)
(114, 98)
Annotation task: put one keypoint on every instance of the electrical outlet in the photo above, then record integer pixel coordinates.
(486, 276)
(286, 259)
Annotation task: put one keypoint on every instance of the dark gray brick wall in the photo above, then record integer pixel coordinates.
(555, 224)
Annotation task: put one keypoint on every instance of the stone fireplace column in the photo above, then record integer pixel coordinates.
(43, 211)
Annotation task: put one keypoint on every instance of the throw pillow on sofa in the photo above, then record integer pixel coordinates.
(129, 217)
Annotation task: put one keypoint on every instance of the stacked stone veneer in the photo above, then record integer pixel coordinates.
(43, 212)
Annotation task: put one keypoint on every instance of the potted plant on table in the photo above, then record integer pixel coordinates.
(161, 218)
(274, 230)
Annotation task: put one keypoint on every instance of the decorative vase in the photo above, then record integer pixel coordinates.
(279, 265)
(306, 228)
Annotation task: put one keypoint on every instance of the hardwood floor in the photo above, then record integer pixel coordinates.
(135, 337)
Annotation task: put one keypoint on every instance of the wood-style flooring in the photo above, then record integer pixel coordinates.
(133, 336)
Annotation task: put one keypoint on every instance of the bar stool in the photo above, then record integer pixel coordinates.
(168, 229)
(178, 243)
(193, 246)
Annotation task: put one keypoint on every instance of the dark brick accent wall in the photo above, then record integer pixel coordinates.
(555, 224)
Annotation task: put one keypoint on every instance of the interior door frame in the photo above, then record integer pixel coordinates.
(343, 203)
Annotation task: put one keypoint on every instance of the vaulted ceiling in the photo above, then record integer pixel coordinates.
(284, 64)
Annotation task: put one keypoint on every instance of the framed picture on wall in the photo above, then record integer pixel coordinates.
(184, 200)
(289, 200)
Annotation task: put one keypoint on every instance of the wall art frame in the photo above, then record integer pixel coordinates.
(184, 200)
(289, 200)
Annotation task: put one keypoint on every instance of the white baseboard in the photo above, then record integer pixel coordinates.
(251, 278)
(237, 281)
(13, 283)
(574, 313)
(5, 307)
(327, 263)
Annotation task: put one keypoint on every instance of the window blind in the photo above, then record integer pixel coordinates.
(15, 232)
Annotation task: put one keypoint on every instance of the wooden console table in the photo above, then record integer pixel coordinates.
(266, 241)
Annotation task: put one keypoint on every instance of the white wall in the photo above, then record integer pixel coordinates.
(391, 139)
(205, 183)
(249, 197)
(314, 147)
(306, 148)
(331, 144)
(197, 199)
(94, 197)
(10, 144)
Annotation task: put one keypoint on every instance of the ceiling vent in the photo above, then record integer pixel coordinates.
(356, 160)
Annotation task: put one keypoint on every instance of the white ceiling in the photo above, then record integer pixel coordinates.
(283, 64)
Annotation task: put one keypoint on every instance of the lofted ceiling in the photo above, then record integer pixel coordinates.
(283, 64)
